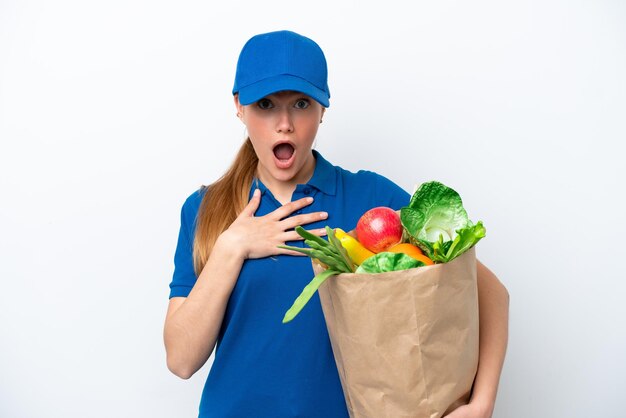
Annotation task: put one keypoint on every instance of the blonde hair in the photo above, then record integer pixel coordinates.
(222, 203)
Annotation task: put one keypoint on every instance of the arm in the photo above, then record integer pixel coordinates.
(493, 305)
(192, 324)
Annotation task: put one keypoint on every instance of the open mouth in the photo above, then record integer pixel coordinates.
(284, 153)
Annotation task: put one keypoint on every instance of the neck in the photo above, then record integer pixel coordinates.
(283, 190)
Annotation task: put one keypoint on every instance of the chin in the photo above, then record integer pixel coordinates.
(284, 175)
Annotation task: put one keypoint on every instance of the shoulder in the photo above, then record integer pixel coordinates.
(383, 190)
(360, 176)
(191, 204)
(196, 196)
(373, 178)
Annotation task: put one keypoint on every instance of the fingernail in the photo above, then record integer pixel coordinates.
(309, 199)
(323, 215)
(257, 193)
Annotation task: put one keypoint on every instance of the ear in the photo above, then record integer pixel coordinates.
(238, 105)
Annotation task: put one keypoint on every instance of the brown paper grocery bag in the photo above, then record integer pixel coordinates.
(405, 342)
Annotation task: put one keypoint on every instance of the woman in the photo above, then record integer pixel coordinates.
(232, 284)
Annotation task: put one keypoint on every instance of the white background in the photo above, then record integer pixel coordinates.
(112, 113)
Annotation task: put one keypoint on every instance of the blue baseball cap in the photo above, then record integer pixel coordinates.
(278, 61)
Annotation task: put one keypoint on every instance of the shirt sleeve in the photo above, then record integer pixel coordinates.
(184, 276)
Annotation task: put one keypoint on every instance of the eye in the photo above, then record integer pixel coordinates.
(265, 103)
(302, 104)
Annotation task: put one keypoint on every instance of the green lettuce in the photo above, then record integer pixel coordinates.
(436, 221)
(387, 261)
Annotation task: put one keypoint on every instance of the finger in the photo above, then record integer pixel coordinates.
(252, 205)
(290, 252)
(289, 208)
(293, 221)
(294, 236)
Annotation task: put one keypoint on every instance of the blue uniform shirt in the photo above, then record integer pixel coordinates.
(262, 367)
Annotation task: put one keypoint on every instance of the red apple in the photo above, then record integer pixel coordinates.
(379, 228)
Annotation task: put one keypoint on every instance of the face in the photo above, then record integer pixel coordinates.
(282, 129)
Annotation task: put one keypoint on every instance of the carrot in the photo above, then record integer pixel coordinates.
(412, 251)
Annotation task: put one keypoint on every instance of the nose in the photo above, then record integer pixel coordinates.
(284, 122)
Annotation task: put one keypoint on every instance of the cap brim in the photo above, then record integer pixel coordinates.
(257, 91)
